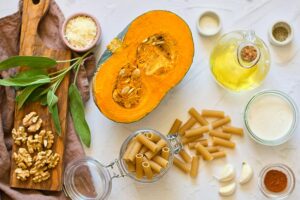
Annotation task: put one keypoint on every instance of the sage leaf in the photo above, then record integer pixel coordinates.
(34, 62)
(39, 94)
(77, 111)
(30, 73)
(22, 98)
(52, 100)
(44, 100)
(25, 81)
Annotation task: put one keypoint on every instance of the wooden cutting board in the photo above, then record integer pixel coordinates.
(31, 44)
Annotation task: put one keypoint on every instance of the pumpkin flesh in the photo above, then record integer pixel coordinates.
(154, 56)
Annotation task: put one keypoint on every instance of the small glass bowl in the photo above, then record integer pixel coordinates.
(290, 184)
(289, 133)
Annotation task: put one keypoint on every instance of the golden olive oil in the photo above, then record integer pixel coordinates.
(229, 71)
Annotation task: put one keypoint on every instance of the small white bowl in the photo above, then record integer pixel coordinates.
(285, 25)
(213, 17)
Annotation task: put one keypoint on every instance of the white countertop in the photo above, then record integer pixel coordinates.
(197, 89)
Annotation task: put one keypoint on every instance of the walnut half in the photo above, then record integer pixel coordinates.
(22, 174)
(48, 138)
(19, 136)
(32, 122)
(39, 174)
(22, 158)
(34, 143)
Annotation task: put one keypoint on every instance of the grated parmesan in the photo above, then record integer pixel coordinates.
(81, 31)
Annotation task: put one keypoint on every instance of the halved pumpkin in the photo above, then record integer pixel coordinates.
(141, 65)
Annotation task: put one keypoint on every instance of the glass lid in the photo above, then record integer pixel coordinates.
(87, 179)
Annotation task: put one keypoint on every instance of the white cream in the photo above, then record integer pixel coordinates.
(208, 24)
(270, 117)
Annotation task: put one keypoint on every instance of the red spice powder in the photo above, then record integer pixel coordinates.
(275, 181)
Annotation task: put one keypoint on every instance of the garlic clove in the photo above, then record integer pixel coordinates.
(246, 174)
(228, 189)
(227, 174)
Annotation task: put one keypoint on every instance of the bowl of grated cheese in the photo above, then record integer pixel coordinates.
(81, 32)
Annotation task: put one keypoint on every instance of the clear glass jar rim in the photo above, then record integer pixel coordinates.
(101, 170)
(289, 133)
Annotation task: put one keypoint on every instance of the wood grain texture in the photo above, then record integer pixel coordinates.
(31, 44)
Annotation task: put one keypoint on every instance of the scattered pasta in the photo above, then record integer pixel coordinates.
(203, 136)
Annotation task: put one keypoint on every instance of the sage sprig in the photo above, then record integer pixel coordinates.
(35, 84)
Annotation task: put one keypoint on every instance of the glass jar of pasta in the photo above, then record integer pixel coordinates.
(145, 156)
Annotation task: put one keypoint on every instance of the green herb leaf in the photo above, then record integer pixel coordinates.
(52, 100)
(30, 73)
(44, 100)
(39, 94)
(34, 62)
(25, 81)
(25, 93)
(77, 111)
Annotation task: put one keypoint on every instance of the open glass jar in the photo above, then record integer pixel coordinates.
(88, 179)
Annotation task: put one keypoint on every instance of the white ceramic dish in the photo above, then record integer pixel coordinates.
(209, 23)
(88, 47)
(288, 27)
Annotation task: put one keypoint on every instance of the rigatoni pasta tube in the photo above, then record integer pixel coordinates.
(160, 144)
(138, 166)
(175, 127)
(186, 140)
(196, 131)
(222, 142)
(130, 166)
(161, 161)
(153, 137)
(233, 130)
(154, 166)
(147, 170)
(204, 152)
(194, 167)
(187, 125)
(203, 142)
(148, 143)
(219, 134)
(213, 113)
(193, 112)
(129, 149)
(181, 165)
(135, 150)
(219, 154)
(165, 153)
(143, 150)
(185, 156)
(220, 122)
(212, 149)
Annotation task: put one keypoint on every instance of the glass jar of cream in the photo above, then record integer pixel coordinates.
(271, 117)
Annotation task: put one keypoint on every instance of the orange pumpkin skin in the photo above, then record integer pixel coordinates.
(158, 45)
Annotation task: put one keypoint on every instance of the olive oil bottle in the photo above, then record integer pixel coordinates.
(240, 61)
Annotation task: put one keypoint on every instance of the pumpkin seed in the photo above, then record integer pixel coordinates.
(125, 90)
(136, 73)
(131, 90)
(122, 72)
(127, 105)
